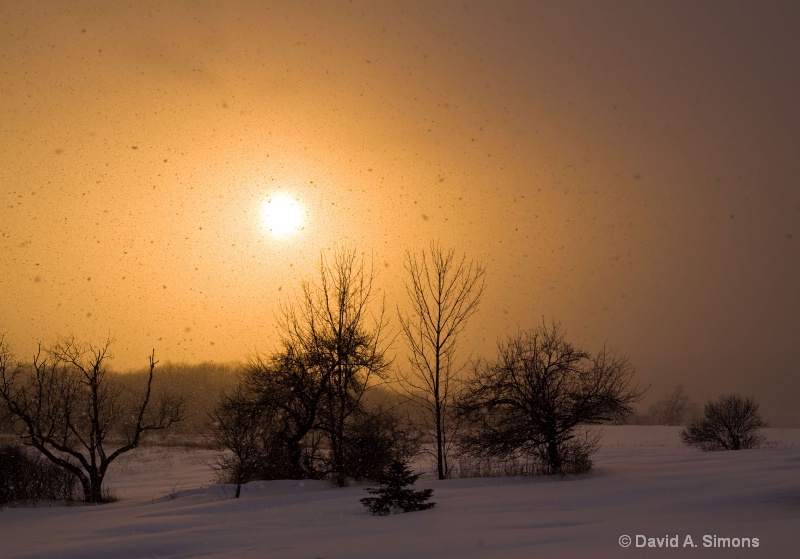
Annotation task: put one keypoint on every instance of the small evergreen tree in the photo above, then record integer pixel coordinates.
(393, 495)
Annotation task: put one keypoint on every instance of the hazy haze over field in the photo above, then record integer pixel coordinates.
(628, 168)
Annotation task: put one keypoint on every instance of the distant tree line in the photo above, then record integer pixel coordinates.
(674, 409)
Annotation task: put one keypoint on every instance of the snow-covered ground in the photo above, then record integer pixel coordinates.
(645, 485)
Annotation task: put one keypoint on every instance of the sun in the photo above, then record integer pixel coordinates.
(282, 215)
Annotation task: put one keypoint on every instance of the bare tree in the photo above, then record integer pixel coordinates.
(252, 436)
(299, 413)
(377, 437)
(273, 423)
(66, 406)
(287, 389)
(674, 408)
(444, 292)
(337, 339)
(540, 390)
(730, 423)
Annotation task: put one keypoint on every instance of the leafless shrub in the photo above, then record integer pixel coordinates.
(730, 423)
(28, 478)
(376, 439)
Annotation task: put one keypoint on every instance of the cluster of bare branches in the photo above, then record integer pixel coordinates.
(308, 398)
(730, 423)
(535, 397)
(66, 406)
(535, 400)
(334, 335)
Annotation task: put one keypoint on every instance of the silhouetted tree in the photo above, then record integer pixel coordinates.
(674, 409)
(66, 406)
(272, 426)
(337, 344)
(5, 421)
(300, 413)
(375, 438)
(289, 390)
(394, 494)
(444, 293)
(730, 423)
(250, 434)
(535, 395)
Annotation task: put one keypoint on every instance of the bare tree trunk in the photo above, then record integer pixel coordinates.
(440, 454)
(444, 293)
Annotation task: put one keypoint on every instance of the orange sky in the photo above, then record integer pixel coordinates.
(628, 168)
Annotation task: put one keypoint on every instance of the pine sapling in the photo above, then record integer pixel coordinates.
(393, 494)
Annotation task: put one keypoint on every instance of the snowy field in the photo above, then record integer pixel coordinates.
(645, 485)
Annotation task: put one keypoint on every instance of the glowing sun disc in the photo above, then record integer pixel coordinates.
(282, 215)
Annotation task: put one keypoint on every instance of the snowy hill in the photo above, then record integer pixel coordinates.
(644, 485)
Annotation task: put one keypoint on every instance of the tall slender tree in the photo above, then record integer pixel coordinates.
(443, 292)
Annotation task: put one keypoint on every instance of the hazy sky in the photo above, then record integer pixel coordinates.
(631, 169)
